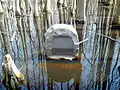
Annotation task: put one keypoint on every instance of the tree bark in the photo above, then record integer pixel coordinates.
(3, 31)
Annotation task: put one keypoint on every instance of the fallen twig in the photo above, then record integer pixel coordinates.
(83, 41)
(113, 39)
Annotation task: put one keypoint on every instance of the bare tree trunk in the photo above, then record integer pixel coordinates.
(81, 8)
(60, 9)
(65, 11)
(3, 31)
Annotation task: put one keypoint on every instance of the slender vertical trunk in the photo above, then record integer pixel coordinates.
(21, 28)
(60, 10)
(81, 10)
(3, 31)
(108, 66)
(64, 11)
(37, 23)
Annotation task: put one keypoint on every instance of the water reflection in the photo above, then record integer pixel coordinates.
(65, 74)
(98, 68)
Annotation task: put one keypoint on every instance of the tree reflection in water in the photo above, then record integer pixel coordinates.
(99, 55)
